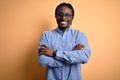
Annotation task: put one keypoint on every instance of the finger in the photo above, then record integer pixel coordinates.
(42, 49)
(81, 45)
(43, 45)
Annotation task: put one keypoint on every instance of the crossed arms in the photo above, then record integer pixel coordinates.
(51, 58)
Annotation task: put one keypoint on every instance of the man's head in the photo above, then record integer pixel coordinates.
(64, 14)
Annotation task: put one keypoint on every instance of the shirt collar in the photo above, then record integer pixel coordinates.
(61, 32)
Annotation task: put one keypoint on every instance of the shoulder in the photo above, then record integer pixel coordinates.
(48, 33)
(77, 32)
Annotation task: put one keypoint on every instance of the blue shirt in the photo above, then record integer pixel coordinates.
(66, 64)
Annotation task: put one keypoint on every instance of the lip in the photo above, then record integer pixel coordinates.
(63, 22)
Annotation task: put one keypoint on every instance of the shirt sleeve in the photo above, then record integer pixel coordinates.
(47, 61)
(76, 56)
(44, 60)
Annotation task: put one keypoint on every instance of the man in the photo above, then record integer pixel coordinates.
(62, 50)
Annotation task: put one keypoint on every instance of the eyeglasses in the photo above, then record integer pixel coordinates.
(67, 15)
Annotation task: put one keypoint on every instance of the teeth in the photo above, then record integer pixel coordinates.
(63, 22)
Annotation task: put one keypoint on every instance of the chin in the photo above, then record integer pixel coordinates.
(62, 27)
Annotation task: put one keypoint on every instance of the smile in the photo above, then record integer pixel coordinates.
(63, 22)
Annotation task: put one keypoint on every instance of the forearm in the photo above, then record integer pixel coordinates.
(73, 57)
(47, 61)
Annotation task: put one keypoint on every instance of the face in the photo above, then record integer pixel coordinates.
(64, 17)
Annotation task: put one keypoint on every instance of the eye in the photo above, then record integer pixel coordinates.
(60, 14)
(67, 15)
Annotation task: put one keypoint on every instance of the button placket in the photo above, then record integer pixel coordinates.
(63, 42)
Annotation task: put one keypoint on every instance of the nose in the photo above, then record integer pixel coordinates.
(63, 17)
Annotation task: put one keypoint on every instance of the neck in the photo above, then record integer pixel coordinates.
(62, 28)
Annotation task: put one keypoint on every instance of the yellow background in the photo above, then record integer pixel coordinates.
(22, 22)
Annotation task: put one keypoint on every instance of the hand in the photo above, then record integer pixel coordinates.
(79, 47)
(45, 50)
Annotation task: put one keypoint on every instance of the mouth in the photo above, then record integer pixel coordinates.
(63, 23)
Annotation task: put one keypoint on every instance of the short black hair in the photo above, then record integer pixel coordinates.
(68, 5)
